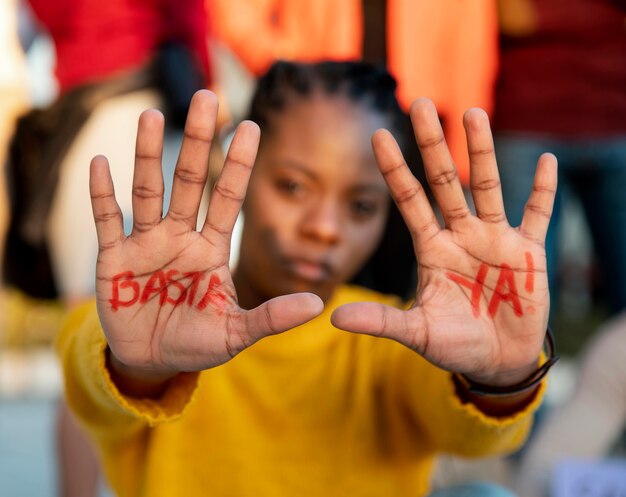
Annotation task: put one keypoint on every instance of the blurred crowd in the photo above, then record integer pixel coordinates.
(550, 73)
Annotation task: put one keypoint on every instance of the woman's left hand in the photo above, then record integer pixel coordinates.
(482, 300)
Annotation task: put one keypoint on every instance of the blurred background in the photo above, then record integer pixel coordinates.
(551, 74)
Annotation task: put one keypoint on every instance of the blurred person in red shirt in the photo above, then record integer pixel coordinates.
(562, 88)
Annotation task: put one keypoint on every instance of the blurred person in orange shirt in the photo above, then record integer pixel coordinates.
(445, 50)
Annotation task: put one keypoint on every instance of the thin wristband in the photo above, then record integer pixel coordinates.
(532, 381)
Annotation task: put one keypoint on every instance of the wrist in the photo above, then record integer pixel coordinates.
(506, 379)
(137, 382)
(522, 380)
(498, 405)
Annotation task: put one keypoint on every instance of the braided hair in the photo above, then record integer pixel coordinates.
(392, 268)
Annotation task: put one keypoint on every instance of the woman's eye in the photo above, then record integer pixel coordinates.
(364, 208)
(289, 186)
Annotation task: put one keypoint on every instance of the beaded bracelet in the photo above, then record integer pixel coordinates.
(532, 381)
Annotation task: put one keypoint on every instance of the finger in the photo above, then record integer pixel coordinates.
(281, 314)
(106, 212)
(405, 189)
(440, 170)
(382, 320)
(148, 175)
(538, 209)
(484, 176)
(193, 161)
(230, 189)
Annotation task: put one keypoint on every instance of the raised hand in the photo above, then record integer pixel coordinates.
(482, 300)
(165, 295)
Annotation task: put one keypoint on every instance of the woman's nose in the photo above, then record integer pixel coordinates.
(322, 222)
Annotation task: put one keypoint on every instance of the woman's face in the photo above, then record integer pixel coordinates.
(317, 204)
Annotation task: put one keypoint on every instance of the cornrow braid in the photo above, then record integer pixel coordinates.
(362, 83)
(392, 267)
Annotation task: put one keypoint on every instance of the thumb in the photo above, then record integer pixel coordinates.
(281, 314)
(380, 320)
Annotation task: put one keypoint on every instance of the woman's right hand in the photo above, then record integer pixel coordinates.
(165, 295)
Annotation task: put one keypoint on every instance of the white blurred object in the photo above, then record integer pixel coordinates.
(12, 68)
(562, 382)
(576, 478)
(29, 374)
(40, 61)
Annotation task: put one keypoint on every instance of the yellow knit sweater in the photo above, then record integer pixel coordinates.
(312, 412)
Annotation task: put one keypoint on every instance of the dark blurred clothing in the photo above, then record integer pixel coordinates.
(594, 171)
(568, 78)
(95, 39)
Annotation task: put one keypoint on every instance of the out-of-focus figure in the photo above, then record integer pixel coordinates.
(13, 97)
(445, 50)
(114, 59)
(562, 88)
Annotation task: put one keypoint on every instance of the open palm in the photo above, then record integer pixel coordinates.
(165, 294)
(482, 300)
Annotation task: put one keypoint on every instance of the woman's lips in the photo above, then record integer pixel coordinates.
(309, 270)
